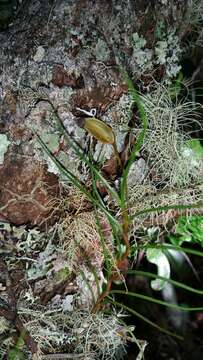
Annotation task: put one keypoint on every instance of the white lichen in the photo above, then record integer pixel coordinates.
(102, 51)
(78, 332)
(141, 59)
(174, 167)
(100, 333)
(168, 52)
(41, 266)
(4, 144)
(163, 2)
(39, 55)
(4, 325)
(165, 142)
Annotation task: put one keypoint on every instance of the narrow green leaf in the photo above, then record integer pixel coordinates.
(139, 141)
(76, 182)
(172, 247)
(159, 302)
(166, 208)
(173, 282)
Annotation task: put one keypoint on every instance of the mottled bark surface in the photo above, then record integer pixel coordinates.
(68, 57)
(68, 51)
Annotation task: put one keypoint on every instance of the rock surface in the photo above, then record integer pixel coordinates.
(27, 191)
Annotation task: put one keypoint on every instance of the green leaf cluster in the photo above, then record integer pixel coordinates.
(188, 230)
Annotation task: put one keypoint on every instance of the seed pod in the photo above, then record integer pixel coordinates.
(101, 131)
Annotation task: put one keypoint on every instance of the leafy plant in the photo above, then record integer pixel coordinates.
(15, 353)
(188, 229)
(120, 215)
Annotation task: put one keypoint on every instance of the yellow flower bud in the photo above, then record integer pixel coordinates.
(101, 131)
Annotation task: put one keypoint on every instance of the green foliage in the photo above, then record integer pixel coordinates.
(15, 353)
(196, 146)
(121, 224)
(136, 99)
(188, 229)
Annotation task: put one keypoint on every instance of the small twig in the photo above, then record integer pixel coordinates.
(92, 112)
(103, 295)
(117, 156)
(50, 14)
(60, 356)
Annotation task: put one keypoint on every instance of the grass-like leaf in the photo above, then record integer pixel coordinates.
(139, 140)
(74, 180)
(166, 208)
(171, 247)
(171, 281)
(159, 302)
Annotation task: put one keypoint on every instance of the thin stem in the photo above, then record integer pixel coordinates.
(104, 294)
(117, 156)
